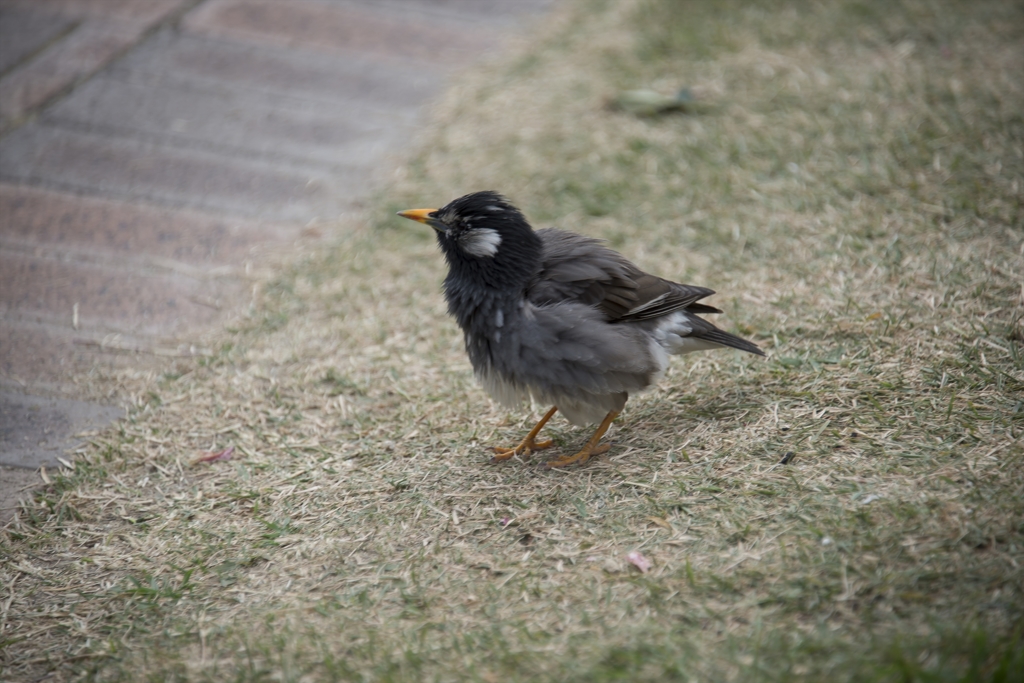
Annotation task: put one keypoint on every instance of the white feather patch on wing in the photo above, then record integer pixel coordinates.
(481, 242)
(648, 305)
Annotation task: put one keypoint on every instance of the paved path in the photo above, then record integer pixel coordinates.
(150, 148)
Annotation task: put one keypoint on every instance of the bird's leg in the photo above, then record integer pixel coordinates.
(593, 447)
(530, 443)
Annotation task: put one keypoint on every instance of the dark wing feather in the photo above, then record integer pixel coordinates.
(577, 268)
(582, 269)
(702, 308)
(657, 297)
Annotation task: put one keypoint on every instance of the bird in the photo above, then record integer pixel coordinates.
(559, 318)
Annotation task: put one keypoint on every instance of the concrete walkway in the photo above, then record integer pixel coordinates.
(151, 149)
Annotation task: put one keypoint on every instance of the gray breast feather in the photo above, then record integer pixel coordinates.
(567, 355)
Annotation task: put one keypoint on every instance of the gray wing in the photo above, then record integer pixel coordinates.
(582, 269)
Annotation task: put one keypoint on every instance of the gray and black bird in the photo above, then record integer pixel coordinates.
(560, 318)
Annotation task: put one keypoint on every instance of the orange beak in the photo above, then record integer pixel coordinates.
(423, 216)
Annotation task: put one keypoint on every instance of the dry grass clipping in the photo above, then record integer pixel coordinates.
(850, 509)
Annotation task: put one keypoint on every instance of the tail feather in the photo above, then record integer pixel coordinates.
(717, 336)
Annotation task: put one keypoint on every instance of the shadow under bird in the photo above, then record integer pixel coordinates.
(560, 318)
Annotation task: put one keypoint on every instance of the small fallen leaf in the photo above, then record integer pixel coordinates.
(875, 316)
(637, 559)
(214, 456)
(660, 521)
(649, 102)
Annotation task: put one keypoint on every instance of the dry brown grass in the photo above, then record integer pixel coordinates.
(852, 186)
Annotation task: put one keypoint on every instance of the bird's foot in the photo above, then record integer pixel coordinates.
(593, 447)
(525, 447)
(580, 457)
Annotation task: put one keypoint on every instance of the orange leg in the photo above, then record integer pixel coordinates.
(530, 443)
(593, 447)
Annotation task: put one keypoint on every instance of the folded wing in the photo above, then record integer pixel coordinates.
(582, 269)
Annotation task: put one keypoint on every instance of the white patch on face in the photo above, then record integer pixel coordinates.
(481, 242)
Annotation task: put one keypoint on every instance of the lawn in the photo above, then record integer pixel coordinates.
(850, 179)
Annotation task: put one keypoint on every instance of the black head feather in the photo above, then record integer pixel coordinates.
(487, 243)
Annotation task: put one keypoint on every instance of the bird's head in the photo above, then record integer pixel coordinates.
(484, 237)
